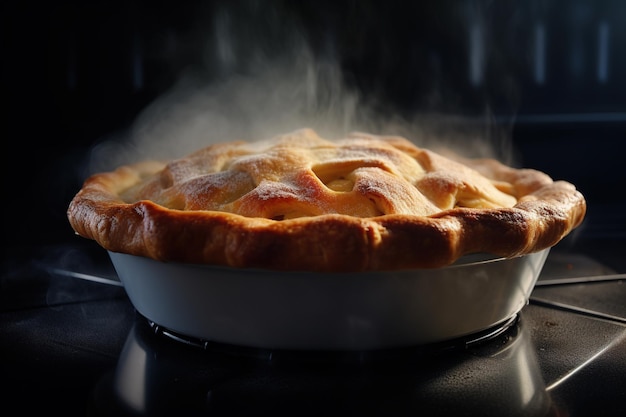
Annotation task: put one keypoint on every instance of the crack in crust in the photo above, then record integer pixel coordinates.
(301, 202)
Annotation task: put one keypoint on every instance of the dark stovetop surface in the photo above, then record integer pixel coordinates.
(75, 346)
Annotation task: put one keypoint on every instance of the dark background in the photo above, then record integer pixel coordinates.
(551, 74)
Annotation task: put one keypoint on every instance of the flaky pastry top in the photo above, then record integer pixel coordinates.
(301, 202)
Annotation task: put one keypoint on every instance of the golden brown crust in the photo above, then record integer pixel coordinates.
(299, 202)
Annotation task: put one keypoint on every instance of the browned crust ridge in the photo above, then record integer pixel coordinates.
(546, 211)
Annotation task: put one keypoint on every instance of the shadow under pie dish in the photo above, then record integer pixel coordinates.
(298, 206)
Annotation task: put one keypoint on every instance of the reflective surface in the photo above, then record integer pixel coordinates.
(76, 346)
(163, 377)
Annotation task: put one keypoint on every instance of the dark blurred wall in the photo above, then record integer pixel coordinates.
(76, 73)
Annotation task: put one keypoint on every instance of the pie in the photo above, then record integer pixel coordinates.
(301, 202)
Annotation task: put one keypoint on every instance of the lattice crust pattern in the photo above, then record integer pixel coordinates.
(301, 202)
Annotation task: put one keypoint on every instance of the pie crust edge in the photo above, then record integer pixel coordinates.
(546, 211)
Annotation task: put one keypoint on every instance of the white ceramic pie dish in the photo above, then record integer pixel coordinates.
(327, 311)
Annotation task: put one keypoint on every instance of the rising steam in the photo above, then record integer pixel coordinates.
(267, 80)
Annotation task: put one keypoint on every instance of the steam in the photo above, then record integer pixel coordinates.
(280, 97)
(264, 79)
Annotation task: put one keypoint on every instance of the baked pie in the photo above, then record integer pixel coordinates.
(302, 202)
